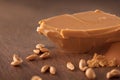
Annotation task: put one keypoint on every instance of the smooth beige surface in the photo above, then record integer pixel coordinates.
(98, 19)
(66, 21)
(84, 24)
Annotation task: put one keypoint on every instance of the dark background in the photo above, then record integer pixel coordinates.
(18, 22)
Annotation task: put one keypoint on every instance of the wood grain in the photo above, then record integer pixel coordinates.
(18, 22)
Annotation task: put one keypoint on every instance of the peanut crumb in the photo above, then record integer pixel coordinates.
(101, 61)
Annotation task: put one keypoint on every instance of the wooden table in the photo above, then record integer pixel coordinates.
(18, 22)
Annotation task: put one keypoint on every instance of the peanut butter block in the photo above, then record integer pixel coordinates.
(80, 32)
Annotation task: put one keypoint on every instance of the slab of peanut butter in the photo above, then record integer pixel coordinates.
(81, 32)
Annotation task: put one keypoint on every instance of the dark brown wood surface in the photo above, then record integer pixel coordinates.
(18, 22)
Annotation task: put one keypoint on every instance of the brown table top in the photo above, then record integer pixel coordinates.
(18, 22)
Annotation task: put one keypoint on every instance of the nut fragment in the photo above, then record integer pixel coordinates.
(82, 65)
(52, 70)
(44, 68)
(90, 74)
(36, 51)
(16, 60)
(115, 73)
(38, 46)
(36, 78)
(44, 55)
(31, 57)
(70, 66)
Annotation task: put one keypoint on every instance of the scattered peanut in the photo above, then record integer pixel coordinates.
(44, 55)
(97, 61)
(16, 60)
(83, 65)
(36, 78)
(38, 46)
(70, 66)
(31, 57)
(52, 70)
(90, 74)
(113, 73)
(36, 51)
(44, 68)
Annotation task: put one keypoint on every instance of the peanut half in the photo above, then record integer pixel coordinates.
(52, 70)
(113, 73)
(38, 46)
(90, 74)
(83, 65)
(70, 66)
(36, 78)
(44, 55)
(31, 57)
(44, 68)
(36, 51)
